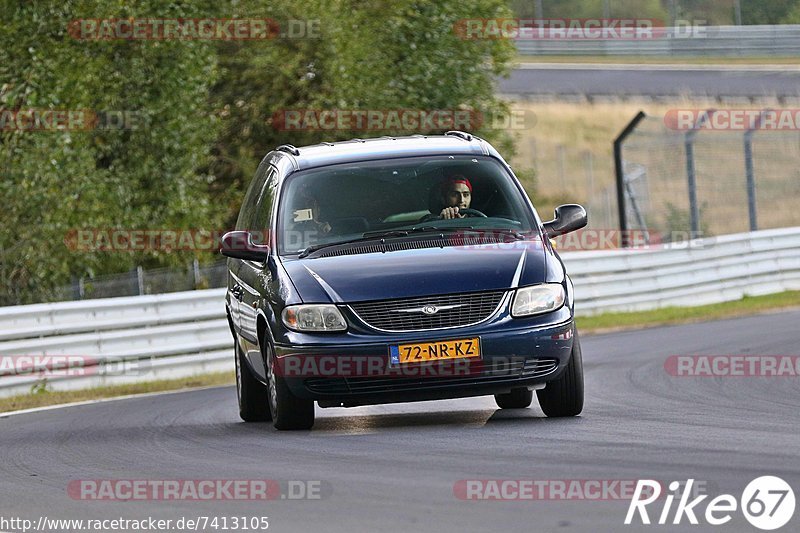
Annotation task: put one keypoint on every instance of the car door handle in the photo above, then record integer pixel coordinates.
(237, 292)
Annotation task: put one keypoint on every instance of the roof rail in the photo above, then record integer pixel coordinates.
(461, 134)
(289, 149)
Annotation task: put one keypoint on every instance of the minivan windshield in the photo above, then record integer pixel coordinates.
(346, 202)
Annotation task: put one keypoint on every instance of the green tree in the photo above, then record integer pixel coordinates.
(793, 15)
(370, 55)
(206, 111)
(54, 183)
(772, 12)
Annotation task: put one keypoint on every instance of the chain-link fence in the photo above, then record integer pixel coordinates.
(565, 175)
(140, 281)
(705, 181)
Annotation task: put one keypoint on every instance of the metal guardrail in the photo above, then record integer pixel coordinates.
(734, 41)
(705, 271)
(115, 340)
(141, 338)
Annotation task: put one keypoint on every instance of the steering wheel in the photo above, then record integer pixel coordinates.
(466, 211)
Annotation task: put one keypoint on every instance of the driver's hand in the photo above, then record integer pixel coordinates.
(450, 212)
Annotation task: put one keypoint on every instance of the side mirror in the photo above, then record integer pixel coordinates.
(239, 245)
(569, 217)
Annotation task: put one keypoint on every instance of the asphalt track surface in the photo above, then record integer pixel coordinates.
(393, 468)
(695, 81)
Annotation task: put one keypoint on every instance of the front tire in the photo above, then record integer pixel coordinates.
(564, 396)
(516, 399)
(288, 411)
(251, 393)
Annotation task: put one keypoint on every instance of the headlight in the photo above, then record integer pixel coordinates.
(313, 317)
(537, 299)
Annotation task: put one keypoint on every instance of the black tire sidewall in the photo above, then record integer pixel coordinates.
(565, 395)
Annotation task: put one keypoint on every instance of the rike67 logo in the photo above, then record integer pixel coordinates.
(767, 503)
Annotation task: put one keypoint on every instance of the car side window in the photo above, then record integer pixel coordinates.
(257, 207)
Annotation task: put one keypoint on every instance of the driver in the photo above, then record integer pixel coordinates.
(456, 194)
(307, 216)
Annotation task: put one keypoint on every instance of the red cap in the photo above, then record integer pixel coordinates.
(457, 178)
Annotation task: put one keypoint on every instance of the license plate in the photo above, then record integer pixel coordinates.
(434, 351)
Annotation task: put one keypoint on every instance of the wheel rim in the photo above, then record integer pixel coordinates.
(271, 386)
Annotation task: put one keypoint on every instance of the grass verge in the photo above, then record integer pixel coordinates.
(41, 399)
(749, 305)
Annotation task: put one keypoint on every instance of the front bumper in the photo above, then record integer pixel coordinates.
(514, 354)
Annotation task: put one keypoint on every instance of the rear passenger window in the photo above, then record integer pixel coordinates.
(257, 207)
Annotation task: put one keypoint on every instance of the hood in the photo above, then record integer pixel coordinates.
(421, 272)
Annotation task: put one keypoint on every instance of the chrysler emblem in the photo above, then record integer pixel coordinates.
(429, 309)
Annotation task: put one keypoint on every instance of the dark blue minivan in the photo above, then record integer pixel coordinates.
(397, 269)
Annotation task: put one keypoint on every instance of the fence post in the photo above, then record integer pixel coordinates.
(77, 288)
(140, 279)
(691, 176)
(750, 173)
(196, 272)
(694, 212)
(620, 175)
(751, 182)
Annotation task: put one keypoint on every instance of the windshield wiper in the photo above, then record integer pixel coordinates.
(509, 231)
(405, 232)
(385, 233)
(513, 232)
(366, 237)
(370, 236)
(429, 229)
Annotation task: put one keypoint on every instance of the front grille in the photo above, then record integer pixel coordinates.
(484, 372)
(405, 314)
